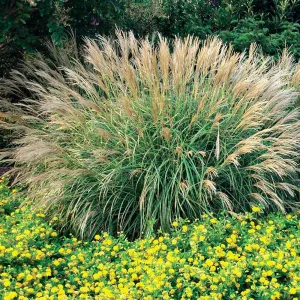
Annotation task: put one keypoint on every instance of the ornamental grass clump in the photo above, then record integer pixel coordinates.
(136, 135)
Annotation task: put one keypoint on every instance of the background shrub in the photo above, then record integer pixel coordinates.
(146, 17)
(25, 24)
(138, 135)
(251, 30)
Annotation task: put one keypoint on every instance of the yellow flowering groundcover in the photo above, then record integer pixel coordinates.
(244, 257)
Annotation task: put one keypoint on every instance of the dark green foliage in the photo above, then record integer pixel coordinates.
(25, 24)
(254, 30)
(273, 25)
(145, 17)
(92, 17)
(189, 17)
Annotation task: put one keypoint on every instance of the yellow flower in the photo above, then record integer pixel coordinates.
(84, 289)
(189, 292)
(292, 291)
(98, 275)
(184, 228)
(6, 282)
(175, 224)
(54, 289)
(56, 262)
(174, 242)
(84, 274)
(256, 209)
(97, 237)
(10, 295)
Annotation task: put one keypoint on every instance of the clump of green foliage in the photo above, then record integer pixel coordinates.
(245, 256)
(273, 25)
(139, 135)
(26, 25)
(23, 26)
(251, 30)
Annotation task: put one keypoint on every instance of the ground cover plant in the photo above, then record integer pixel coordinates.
(138, 135)
(242, 257)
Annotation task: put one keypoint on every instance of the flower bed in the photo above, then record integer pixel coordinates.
(245, 257)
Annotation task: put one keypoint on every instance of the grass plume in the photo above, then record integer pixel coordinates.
(137, 135)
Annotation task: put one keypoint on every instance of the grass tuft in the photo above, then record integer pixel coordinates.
(139, 135)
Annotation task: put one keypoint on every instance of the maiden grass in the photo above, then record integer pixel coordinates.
(136, 135)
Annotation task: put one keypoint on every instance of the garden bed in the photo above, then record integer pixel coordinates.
(244, 257)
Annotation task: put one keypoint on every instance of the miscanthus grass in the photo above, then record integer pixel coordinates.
(133, 136)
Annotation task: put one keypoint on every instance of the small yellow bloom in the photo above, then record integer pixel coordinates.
(84, 289)
(256, 209)
(6, 282)
(292, 291)
(184, 228)
(54, 289)
(97, 237)
(201, 238)
(10, 296)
